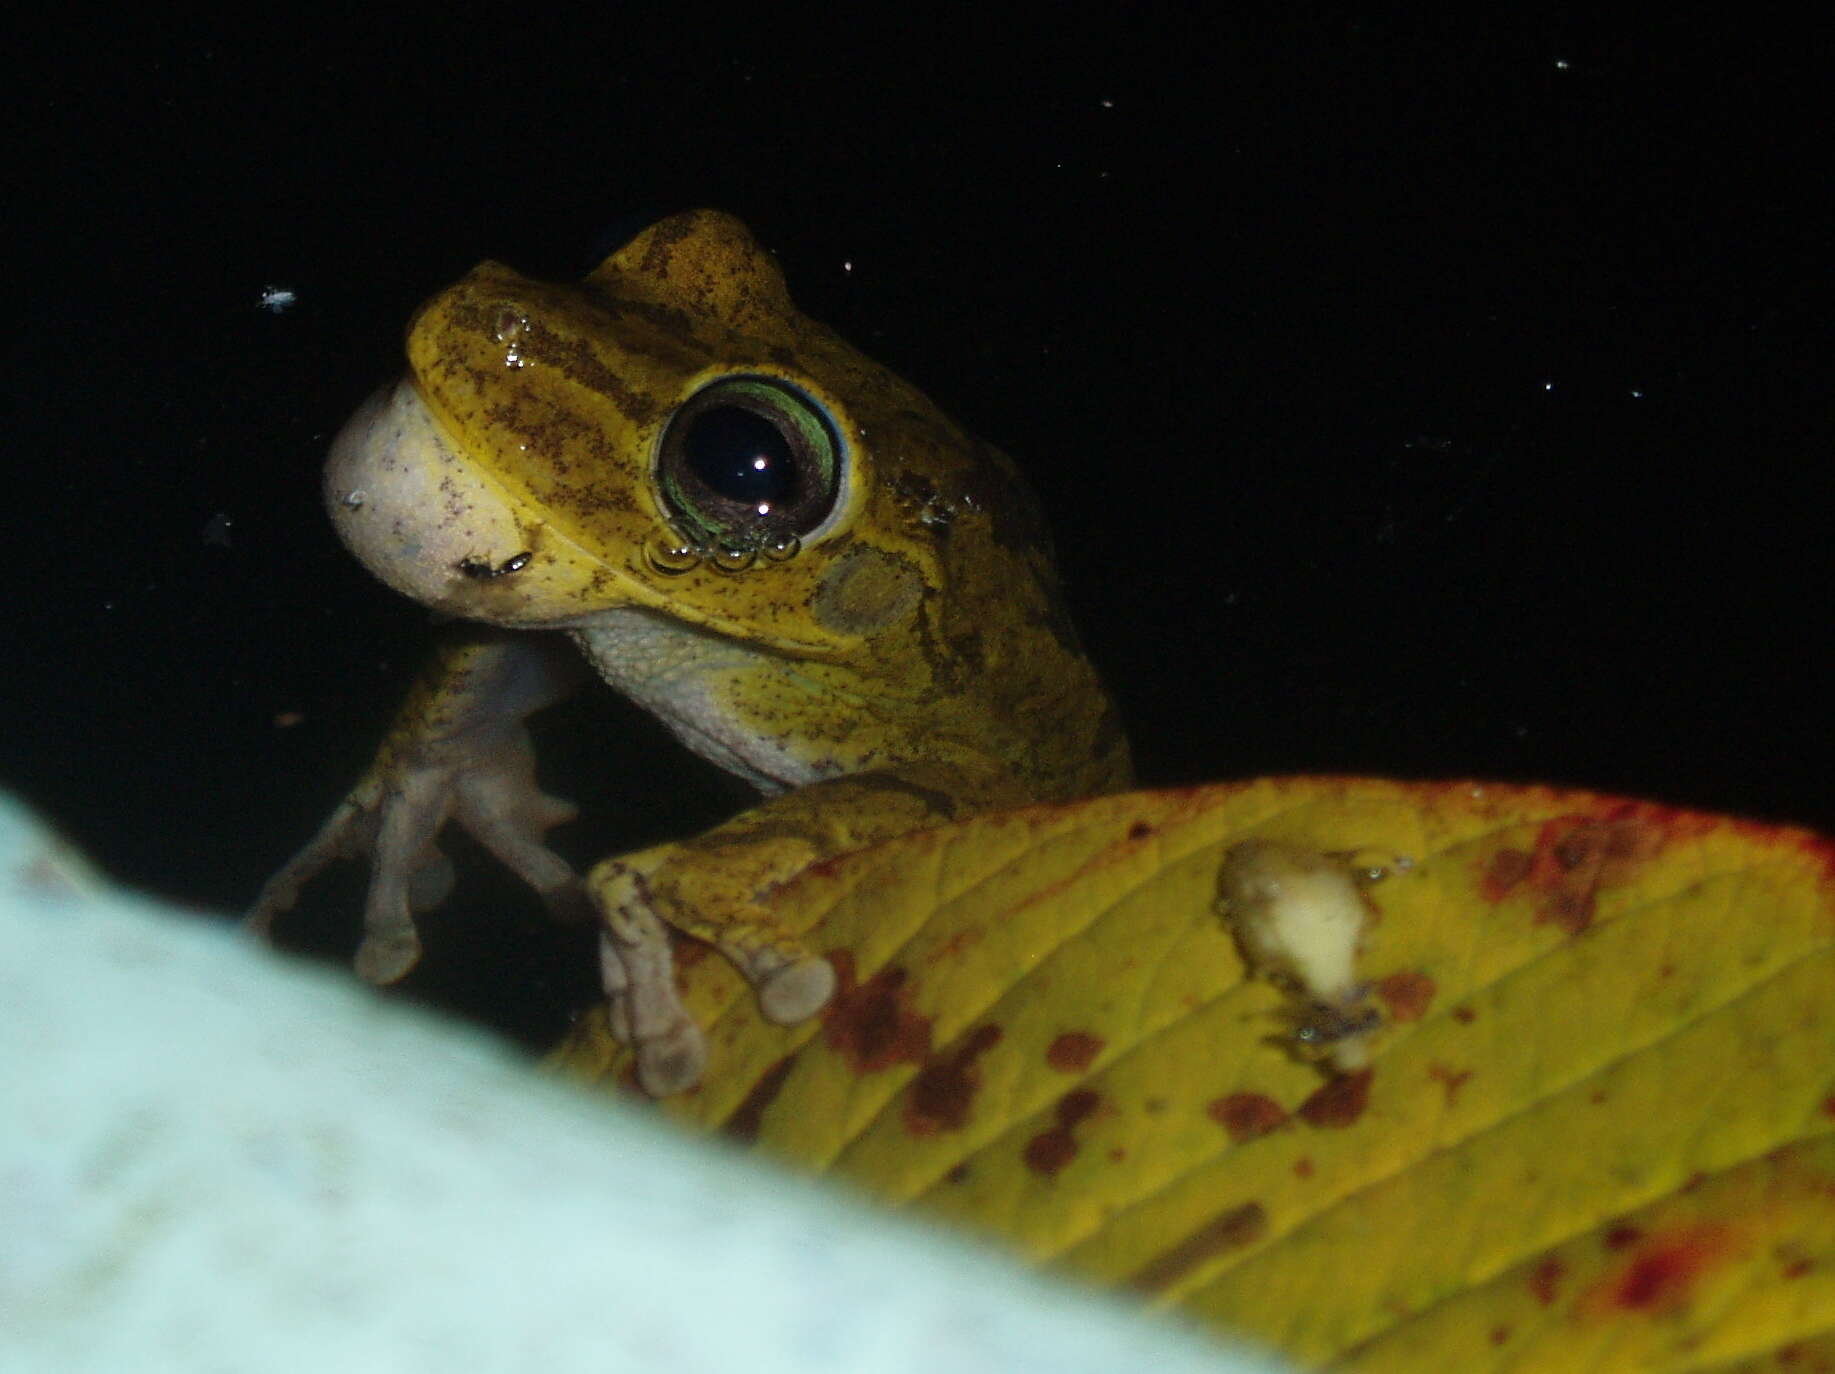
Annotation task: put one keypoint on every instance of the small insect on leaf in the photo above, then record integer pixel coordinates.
(1299, 918)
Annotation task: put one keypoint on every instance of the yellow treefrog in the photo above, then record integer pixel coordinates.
(788, 554)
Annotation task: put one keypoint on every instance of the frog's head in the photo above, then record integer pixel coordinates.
(673, 434)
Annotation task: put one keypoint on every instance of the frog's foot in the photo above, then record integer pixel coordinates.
(392, 820)
(638, 968)
(391, 945)
(342, 836)
(645, 1010)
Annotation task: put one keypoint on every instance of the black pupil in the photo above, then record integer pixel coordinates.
(741, 456)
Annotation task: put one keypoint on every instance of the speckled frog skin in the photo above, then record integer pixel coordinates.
(786, 553)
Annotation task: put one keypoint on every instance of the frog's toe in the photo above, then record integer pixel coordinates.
(644, 1008)
(431, 883)
(345, 834)
(259, 919)
(795, 991)
(671, 1051)
(384, 959)
(672, 1062)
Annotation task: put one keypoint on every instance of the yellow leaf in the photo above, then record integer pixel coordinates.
(1597, 1129)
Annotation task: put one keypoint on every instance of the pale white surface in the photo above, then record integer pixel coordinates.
(1298, 913)
(1315, 925)
(211, 1159)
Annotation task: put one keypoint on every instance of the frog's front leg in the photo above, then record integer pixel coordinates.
(717, 887)
(458, 750)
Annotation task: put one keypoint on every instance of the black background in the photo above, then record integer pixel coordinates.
(1409, 400)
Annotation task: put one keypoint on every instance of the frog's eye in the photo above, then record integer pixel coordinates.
(748, 464)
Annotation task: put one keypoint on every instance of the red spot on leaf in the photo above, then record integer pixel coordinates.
(1407, 994)
(1499, 1334)
(1660, 1273)
(1545, 1280)
(1049, 1151)
(1828, 1105)
(1819, 847)
(1656, 1278)
(1661, 1276)
(1796, 1268)
(1576, 855)
(1503, 871)
(1140, 830)
(1571, 910)
(1339, 1103)
(944, 1090)
(1576, 849)
(1621, 1236)
(958, 1174)
(1246, 1115)
(872, 1024)
(1227, 1231)
(743, 1124)
(1449, 1078)
(1074, 1051)
(1465, 1016)
(1074, 1107)
(1303, 1167)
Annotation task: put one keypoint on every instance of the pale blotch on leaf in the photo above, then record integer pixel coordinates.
(1299, 918)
